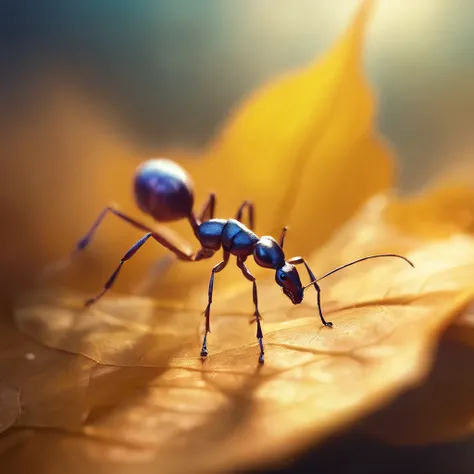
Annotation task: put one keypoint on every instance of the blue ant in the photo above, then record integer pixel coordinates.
(164, 191)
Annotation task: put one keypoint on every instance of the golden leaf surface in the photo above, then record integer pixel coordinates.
(443, 210)
(52, 384)
(441, 408)
(446, 209)
(141, 400)
(9, 406)
(156, 404)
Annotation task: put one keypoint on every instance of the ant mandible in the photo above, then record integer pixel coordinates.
(164, 191)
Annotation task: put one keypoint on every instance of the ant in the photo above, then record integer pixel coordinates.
(164, 191)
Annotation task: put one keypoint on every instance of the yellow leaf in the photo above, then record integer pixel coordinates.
(444, 209)
(439, 409)
(52, 385)
(10, 406)
(164, 400)
(121, 386)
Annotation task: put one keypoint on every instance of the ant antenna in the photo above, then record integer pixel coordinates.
(357, 261)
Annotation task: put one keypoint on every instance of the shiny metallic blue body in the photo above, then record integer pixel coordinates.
(164, 191)
(230, 234)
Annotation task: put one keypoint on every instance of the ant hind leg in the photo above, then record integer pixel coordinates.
(165, 242)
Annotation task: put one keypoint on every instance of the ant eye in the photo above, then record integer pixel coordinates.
(282, 276)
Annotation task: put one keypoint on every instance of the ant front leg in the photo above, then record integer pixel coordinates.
(207, 313)
(250, 277)
(251, 213)
(298, 261)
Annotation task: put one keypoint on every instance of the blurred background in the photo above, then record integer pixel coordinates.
(91, 87)
(167, 72)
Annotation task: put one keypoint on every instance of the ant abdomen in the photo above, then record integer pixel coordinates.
(163, 190)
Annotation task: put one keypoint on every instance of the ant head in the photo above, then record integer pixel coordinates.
(288, 278)
(268, 254)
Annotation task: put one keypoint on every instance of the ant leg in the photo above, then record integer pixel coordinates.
(85, 241)
(207, 211)
(163, 237)
(298, 261)
(281, 240)
(250, 277)
(199, 255)
(207, 313)
(251, 213)
(131, 252)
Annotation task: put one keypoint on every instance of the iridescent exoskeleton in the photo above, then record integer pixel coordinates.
(164, 191)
